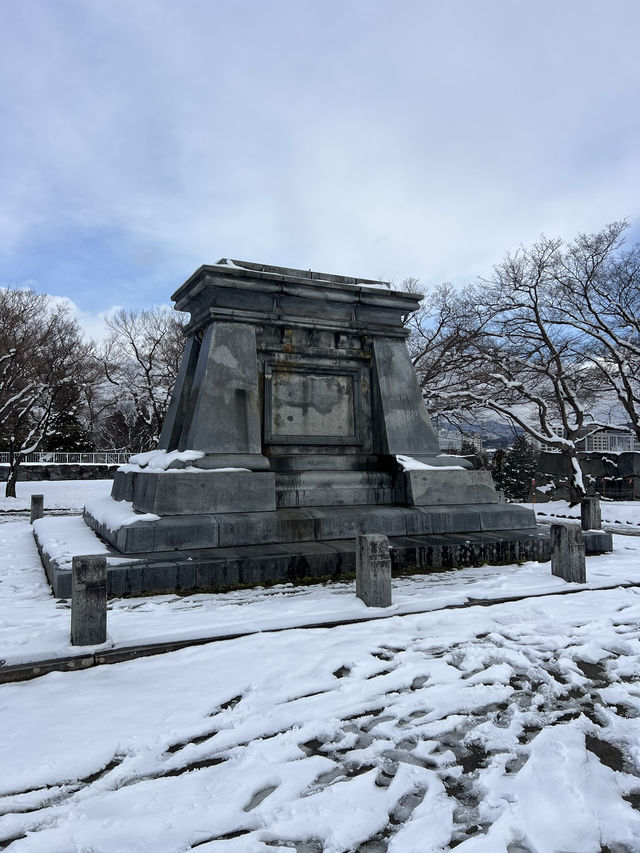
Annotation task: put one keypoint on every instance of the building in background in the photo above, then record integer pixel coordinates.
(451, 441)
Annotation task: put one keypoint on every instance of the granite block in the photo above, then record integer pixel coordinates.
(432, 487)
(198, 493)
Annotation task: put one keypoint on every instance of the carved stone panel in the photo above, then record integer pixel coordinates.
(314, 406)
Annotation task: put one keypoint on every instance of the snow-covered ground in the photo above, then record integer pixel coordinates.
(34, 626)
(493, 728)
(58, 494)
(616, 515)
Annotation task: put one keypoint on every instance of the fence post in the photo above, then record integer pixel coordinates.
(114, 457)
(567, 553)
(373, 570)
(37, 507)
(590, 515)
(88, 600)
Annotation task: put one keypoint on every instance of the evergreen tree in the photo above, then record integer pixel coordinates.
(518, 469)
(68, 434)
(479, 458)
(468, 448)
(497, 463)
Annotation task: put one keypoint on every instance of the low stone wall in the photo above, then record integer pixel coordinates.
(31, 471)
(221, 569)
(613, 475)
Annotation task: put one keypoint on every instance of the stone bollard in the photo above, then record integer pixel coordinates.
(590, 515)
(567, 553)
(88, 600)
(37, 507)
(373, 570)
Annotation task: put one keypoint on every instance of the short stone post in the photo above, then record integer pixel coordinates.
(567, 553)
(37, 507)
(373, 570)
(590, 515)
(88, 600)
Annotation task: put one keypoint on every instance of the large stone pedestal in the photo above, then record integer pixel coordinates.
(295, 398)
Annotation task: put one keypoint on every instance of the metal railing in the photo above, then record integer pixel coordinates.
(101, 457)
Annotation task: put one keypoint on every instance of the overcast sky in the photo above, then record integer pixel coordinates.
(141, 139)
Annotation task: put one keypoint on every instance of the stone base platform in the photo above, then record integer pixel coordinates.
(218, 569)
(306, 524)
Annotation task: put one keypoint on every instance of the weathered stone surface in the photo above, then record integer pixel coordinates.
(131, 579)
(222, 415)
(311, 404)
(194, 492)
(251, 528)
(442, 519)
(180, 532)
(137, 537)
(334, 488)
(37, 507)
(433, 487)
(568, 553)
(553, 463)
(221, 568)
(597, 542)
(348, 522)
(343, 459)
(469, 518)
(593, 463)
(373, 570)
(308, 524)
(628, 464)
(178, 410)
(122, 489)
(166, 534)
(595, 466)
(88, 600)
(504, 516)
(590, 515)
(401, 420)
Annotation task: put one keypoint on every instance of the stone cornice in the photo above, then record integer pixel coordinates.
(277, 295)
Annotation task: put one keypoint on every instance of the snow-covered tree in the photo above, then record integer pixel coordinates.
(440, 344)
(44, 365)
(140, 360)
(598, 287)
(501, 346)
(514, 470)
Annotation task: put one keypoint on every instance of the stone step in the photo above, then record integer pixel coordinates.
(348, 460)
(216, 569)
(334, 488)
(237, 529)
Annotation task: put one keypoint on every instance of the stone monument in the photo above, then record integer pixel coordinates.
(296, 423)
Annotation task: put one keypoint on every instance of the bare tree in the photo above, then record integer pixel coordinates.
(140, 361)
(598, 286)
(501, 346)
(43, 368)
(442, 334)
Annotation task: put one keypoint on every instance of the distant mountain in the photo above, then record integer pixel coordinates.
(494, 434)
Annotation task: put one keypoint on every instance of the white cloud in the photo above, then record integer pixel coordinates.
(374, 139)
(92, 324)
